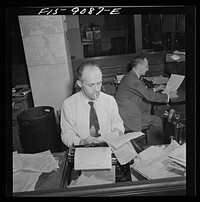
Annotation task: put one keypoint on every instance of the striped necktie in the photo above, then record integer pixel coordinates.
(94, 124)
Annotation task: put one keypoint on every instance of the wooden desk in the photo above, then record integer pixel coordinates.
(48, 185)
(51, 181)
(175, 66)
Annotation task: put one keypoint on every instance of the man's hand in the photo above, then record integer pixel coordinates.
(173, 94)
(117, 130)
(160, 88)
(90, 140)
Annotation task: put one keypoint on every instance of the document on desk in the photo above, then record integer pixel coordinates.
(179, 155)
(121, 145)
(86, 181)
(174, 82)
(38, 162)
(117, 141)
(90, 158)
(155, 162)
(28, 167)
(124, 153)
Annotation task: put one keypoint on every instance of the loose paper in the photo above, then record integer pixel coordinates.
(90, 158)
(117, 141)
(124, 153)
(28, 167)
(86, 181)
(173, 83)
(157, 166)
(179, 154)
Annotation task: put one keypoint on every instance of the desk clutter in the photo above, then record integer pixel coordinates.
(20, 90)
(155, 162)
(28, 167)
(162, 162)
(114, 172)
(31, 171)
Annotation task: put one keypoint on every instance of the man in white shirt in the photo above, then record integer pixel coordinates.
(75, 110)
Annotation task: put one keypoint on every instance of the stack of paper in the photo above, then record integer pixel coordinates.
(178, 157)
(121, 145)
(154, 162)
(28, 167)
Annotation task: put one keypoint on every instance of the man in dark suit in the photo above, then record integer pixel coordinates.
(134, 100)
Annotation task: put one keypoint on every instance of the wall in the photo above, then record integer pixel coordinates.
(113, 65)
(74, 36)
(48, 59)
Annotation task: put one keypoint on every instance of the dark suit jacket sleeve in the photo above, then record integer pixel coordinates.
(138, 88)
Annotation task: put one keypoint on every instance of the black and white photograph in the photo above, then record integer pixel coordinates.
(99, 103)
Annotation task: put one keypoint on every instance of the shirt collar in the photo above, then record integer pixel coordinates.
(137, 74)
(85, 100)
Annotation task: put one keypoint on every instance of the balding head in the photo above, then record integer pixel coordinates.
(90, 79)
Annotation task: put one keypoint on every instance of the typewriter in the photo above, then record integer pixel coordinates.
(122, 172)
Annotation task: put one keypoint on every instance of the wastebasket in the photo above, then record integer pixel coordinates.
(38, 129)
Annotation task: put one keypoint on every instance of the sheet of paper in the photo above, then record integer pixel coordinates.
(173, 83)
(28, 167)
(125, 153)
(103, 174)
(17, 162)
(118, 141)
(159, 169)
(154, 166)
(25, 180)
(150, 154)
(86, 181)
(179, 153)
(43, 162)
(172, 146)
(89, 158)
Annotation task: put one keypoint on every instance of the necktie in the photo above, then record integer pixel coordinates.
(94, 124)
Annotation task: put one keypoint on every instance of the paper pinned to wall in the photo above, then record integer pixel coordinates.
(173, 83)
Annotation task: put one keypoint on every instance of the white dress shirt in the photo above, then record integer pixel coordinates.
(75, 113)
